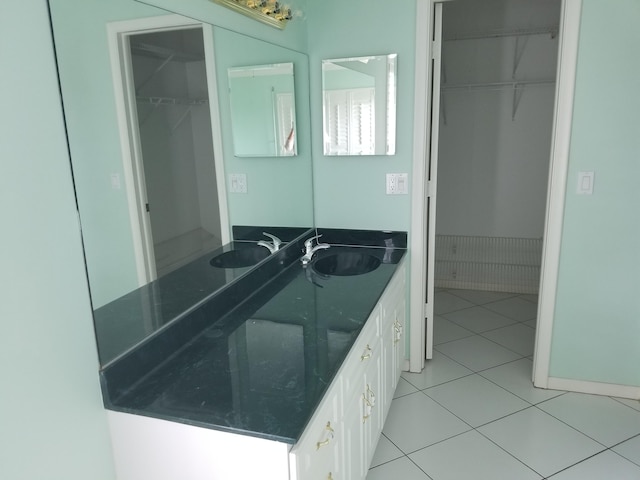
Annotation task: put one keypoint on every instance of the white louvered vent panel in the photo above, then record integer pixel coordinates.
(502, 264)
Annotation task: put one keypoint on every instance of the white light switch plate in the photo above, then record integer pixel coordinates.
(585, 183)
(115, 181)
(237, 183)
(397, 184)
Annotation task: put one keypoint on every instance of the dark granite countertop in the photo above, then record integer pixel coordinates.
(262, 368)
(125, 322)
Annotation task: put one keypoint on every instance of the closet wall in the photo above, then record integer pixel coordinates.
(498, 79)
(175, 134)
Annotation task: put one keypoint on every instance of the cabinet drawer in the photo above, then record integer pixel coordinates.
(317, 455)
(363, 351)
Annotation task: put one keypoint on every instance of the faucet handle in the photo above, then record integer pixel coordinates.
(276, 241)
(309, 242)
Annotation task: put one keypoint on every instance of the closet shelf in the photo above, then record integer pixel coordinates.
(172, 101)
(521, 32)
(517, 86)
(499, 85)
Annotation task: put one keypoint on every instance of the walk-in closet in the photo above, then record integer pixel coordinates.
(497, 97)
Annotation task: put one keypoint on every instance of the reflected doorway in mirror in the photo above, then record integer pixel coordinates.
(176, 187)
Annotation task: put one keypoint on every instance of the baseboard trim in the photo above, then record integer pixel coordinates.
(595, 388)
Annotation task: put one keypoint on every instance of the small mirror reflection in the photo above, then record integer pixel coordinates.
(263, 117)
(359, 105)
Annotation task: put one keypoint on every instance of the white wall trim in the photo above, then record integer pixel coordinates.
(567, 57)
(594, 388)
(216, 132)
(560, 146)
(418, 234)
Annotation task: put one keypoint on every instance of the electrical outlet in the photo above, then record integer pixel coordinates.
(397, 184)
(237, 183)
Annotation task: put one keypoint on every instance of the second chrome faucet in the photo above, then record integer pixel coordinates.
(310, 249)
(273, 247)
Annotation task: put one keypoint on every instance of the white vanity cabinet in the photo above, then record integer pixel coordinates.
(337, 444)
(361, 395)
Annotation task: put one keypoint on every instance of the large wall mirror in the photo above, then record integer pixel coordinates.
(184, 138)
(359, 105)
(263, 110)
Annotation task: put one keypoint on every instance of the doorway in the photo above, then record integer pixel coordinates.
(165, 87)
(496, 113)
(425, 192)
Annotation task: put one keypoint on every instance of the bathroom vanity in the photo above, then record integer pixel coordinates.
(293, 381)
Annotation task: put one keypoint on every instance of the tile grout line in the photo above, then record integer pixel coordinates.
(479, 373)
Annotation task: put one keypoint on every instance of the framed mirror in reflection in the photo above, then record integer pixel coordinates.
(359, 105)
(263, 111)
(148, 119)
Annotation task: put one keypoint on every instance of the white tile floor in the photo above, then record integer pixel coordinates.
(474, 414)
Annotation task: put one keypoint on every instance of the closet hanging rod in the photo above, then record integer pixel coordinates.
(172, 101)
(546, 30)
(499, 85)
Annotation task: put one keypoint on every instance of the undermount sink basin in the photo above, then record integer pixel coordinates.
(344, 264)
(242, 257)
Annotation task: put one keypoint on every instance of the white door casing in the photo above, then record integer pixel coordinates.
(425, 75)
(432, 176)
(118, 34)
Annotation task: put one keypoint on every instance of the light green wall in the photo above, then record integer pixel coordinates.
(87, 86)
(293, 36)
(596, 335)
(80, 30)
(345, 78)
(253, 106)
(279, 189)
(350, 191)
(52, 423)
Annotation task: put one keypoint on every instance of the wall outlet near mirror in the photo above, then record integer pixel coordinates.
(397, 184)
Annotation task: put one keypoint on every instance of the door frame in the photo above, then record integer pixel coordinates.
(118, 34)
(559, 160)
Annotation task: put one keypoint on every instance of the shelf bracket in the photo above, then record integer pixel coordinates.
(155, 72)
(148, 115)
(518, 90)
(521, 44)
(181, 119)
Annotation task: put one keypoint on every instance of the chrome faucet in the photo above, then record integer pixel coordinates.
(309, 249)
(274, 246)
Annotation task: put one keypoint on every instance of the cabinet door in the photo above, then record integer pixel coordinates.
(398, 328)
(372, 401)
(355, 464)
(363, 417)
(389, 364)
(317, 456)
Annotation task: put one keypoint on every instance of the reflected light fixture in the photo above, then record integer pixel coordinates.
(270, 12)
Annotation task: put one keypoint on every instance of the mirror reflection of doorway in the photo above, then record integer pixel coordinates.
(174, 128)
